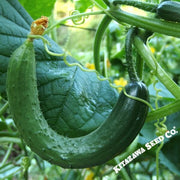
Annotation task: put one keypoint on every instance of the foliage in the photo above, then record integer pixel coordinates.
(38, 8)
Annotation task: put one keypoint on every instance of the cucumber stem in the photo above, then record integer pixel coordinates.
(139, 66)
(151, 24)
(70, 18)
(6, 156)
(4, 108)
(164, 111)
(150, 60)
(98, 39)
(124, 174)
(129, 60)
(157, 159)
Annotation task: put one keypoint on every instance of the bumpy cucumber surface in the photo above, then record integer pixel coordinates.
(99, 146)
(169, 10)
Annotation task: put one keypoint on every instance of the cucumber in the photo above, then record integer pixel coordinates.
(169, 10)
(95, 148)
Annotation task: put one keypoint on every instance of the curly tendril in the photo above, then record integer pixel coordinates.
(46, 42)
(81, 19)
(160, 126)
(77, 20)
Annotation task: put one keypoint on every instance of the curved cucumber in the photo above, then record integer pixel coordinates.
(101, 145)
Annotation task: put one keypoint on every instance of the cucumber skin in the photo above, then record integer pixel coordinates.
(96, 148)
(169, 10)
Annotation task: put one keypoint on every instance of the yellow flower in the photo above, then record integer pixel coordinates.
(152, 49)
(90, 66)
(120, 82)
(90, 176)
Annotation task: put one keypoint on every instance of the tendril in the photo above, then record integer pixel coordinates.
(138, 99)
(91, 9)
(81, 19)
(77, 20)
(80, 66)
(160, 126)
(46, 42)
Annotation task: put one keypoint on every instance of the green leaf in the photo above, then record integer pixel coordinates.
(100, 2)
(73, 102)
(82, 5)
(38, 8)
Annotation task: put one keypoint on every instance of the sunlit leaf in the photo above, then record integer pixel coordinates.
(38, 8)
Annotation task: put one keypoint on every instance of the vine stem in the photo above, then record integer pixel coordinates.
(151, 24)
(4, 108)
(98, 39)
(124, 174)
(7, 155)
(123, 171)
(10, 139)
(71, 17)
(139, 66)
(157, 159)
(150, 60)
(129, 59)
(164, 111)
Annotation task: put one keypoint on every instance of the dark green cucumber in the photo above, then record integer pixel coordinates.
(101, 145)
(169, 10)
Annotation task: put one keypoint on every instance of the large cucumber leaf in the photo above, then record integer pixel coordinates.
(73, 102)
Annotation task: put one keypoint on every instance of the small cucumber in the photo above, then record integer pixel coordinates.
(169, 10)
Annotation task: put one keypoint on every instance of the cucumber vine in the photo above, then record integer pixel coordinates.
(69, 158)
